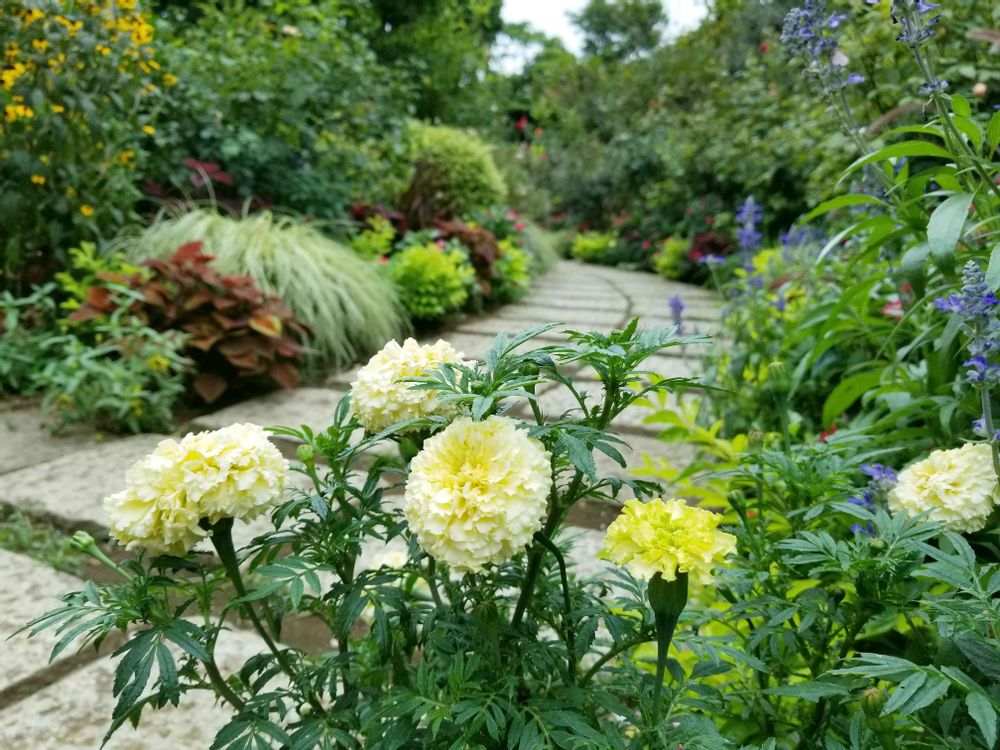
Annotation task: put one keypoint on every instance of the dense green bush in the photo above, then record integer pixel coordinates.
(594, 247)
(453, 174)
(287, 102)
(670, 260)
(432, 280)
(348, 307)
(78, 90)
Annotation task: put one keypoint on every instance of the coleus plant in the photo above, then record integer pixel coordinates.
(235, 332)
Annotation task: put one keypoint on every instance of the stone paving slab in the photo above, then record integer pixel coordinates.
(25, 439)
(28, 588)
(74, 712)
(303, 406)
(525, 316)
(71, 488)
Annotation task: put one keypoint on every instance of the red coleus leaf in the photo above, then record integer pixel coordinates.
(85, 313)
(210, 385)
(204, 342)
(284, 374)
(197, 299)
(266, 324)
(99, 298)
(190, 252)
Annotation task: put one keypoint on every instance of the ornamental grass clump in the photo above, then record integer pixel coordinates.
(467, 621)
(350, 309)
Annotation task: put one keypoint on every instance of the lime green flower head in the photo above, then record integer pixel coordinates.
(667, 537)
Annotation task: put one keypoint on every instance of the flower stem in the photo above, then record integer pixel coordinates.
(667, 599)
(616, 651)
(568, 629)
(988, 427)
(222, 540)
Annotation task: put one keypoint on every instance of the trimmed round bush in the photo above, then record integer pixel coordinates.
(432, 281)
(593, 247)
(453, 175)
(351, 309)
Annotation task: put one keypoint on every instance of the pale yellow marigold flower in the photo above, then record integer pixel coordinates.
(477, 492)
(958, 487)
(381, 397)
(667, 537)
(235, 472)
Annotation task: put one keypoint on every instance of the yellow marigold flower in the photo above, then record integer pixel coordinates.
(148, 129)
(87, 210)
(958, 487)
(477, 492)
(381, 398)
(38, 179)
(33, 15)
(667, 537)
(234, 472)
(169, 79)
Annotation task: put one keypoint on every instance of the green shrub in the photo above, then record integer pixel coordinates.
(349, 307)
(453, 174)
(287, 101)
(24, 322)
(512, 273)
(669, 260)
(127, 382)
(432, 281)
(78, 80)
(376, 239)
(594, 247)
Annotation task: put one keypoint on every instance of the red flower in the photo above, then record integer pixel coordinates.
(512, 214)
(521, 123)
(823, 436)
(519, 226)
(710, 219)
(383, 260)
(646, 245)
(763, 47)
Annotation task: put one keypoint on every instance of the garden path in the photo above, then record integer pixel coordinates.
(66, 705)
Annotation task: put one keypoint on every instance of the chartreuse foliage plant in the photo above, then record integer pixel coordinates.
(349, 308)
(433, 280)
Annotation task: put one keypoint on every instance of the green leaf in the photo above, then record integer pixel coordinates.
(847, 392)
(960, 105)
(993, 132)
(904, 691)
(841, 201)
(579, 454)
(993, 269)
(912, 263)
(944, 229)
(896, 150)
(982, 712)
